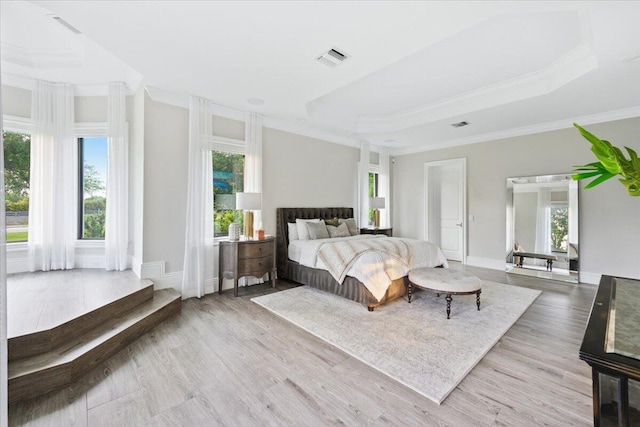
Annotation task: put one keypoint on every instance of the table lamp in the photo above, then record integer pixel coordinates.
(376, 203)
(248, 202)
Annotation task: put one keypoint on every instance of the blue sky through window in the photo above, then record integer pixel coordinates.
(95, 153)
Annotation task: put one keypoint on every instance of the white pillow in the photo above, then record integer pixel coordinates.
(303, 233)
(293, 231)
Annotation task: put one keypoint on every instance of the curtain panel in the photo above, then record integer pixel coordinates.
(384, 189)
(363, 185)
(117, 215)
(53, 179)
(198, 256)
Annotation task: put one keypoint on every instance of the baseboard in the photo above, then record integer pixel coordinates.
(163, 280)
(90, 261)
(494, 264)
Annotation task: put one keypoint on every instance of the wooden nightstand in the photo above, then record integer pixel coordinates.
(387, 231)
(247, 258)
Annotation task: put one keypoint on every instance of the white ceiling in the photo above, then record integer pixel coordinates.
(414, 68)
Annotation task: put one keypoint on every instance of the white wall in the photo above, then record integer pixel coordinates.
(609, 225)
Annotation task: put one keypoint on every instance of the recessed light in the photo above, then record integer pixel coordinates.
(459, 124)
(255, 101)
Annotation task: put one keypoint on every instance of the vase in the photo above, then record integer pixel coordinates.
(234, 232)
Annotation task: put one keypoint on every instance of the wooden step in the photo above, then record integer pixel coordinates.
(46, 340)
(42, 373)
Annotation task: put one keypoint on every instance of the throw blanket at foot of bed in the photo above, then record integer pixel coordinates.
(374, 260)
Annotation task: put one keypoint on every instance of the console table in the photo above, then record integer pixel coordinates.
(246, 258)
(611, 346)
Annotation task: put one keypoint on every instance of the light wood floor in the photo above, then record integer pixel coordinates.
(42, 300)
(227, 361)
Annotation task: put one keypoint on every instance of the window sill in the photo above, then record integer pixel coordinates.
(90, 244)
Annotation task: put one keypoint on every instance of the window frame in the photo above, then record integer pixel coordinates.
(19, 125)
(225, 145)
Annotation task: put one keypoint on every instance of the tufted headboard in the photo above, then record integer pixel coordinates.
(286, 215)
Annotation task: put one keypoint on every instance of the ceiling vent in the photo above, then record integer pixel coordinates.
(332, 58)
(459, 124)
(67, 25)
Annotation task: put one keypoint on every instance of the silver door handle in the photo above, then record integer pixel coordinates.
(459, 224)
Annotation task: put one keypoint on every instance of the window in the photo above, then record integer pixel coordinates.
(373, 191)
(559, 227)
(228, 179)
(17, 153)
(92, 160)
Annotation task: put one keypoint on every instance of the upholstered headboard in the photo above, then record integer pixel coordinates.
(287, 215)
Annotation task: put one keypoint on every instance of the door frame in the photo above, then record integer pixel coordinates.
(429, 217)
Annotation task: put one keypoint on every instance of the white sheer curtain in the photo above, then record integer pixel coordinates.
(384, 187)
(253, 171)
(53, 187)
(117, 216)
(543, 224)
(198, 252)
(363, 184)
(253, 159)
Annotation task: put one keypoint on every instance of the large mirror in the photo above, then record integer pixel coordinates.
(542, 227)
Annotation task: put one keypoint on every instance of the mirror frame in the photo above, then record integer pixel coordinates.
(573, 274)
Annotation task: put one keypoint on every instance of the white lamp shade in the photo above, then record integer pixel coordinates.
(248, 201)
(376, 202)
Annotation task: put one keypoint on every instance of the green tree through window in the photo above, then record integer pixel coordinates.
(559, 228)
(17, 153)
(228, 179)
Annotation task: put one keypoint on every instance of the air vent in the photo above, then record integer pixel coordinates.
(459, 124)
(67, 25)
(332, 58)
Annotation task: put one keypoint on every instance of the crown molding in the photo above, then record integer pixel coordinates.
(609, 116)
(181, 100)
(96, 89)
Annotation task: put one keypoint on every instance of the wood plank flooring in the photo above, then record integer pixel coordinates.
(228, 361)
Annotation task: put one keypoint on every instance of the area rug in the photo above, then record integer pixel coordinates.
(413, 343)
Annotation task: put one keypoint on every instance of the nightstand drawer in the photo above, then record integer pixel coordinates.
(253, 250)
(255, 265)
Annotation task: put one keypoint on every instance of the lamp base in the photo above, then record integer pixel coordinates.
(248, 225)
(376, 218)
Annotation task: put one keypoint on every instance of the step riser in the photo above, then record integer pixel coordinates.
(41, 382)
(43, 341)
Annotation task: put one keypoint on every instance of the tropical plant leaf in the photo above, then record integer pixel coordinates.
(612, 162)
(605, 176)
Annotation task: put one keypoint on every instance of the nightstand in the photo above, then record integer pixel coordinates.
(387, 231)
(247, 258)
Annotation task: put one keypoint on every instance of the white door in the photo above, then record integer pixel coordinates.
(446, 207)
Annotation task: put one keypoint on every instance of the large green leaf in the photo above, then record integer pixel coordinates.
(612, 162)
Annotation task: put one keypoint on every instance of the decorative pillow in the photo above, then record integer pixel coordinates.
(293, 231)
(303, 232)
(340, 231)
(317, 230)
(351, 224)
(332, 221)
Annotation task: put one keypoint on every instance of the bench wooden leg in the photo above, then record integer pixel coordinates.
(448, 305)
(409, 291)
(478, 299)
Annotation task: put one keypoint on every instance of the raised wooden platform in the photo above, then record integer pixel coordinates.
(47, 359)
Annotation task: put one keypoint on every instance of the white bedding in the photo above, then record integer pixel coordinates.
(375, 269)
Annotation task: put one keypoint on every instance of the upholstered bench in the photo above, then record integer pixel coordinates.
(445, 281)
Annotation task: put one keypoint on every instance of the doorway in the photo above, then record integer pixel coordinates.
(446, 207)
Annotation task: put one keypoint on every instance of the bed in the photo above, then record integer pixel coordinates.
(350, 288)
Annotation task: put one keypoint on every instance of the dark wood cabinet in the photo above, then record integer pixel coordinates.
(386, 231)
(246, 258)
(612, 348)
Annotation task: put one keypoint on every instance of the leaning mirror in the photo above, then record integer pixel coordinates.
(542, 227)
